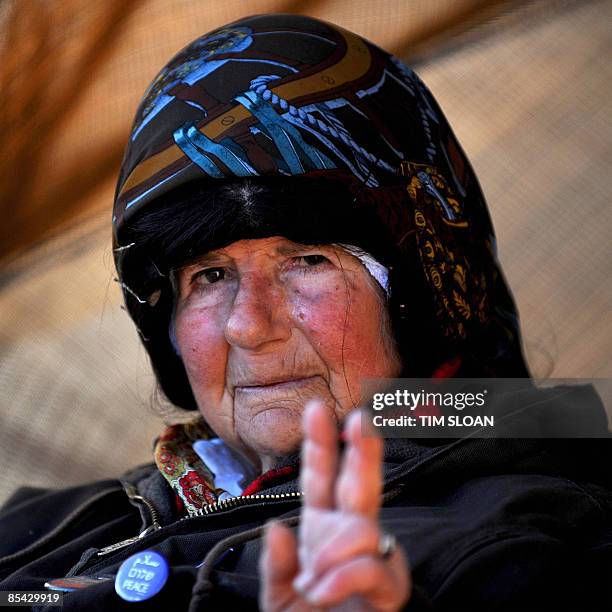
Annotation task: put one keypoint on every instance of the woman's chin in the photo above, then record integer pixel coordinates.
(275, 431)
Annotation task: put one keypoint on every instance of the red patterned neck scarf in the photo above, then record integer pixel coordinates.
(193, 483)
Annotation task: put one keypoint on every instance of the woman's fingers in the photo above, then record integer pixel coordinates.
(278, 566)
(360, 479)
(385, 585)
(319, 456)
(335, 543)
(338, 554)
(358, 486)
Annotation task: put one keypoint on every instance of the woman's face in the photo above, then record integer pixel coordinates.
(265, 325)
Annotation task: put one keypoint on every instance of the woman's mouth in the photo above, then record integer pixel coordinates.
(276, 386)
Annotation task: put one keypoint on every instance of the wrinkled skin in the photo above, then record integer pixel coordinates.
(267, 328)
(263, 326)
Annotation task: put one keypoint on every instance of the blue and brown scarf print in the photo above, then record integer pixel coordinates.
(291, 95)
(277, 95)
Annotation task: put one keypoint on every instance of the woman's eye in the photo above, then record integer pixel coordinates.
(209, 276)
(312, 260)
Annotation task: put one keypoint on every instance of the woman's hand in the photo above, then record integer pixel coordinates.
(336, 562)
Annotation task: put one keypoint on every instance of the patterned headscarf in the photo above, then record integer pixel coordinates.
(287, 95)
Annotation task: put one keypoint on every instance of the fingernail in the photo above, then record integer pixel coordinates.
(353, 418)
(315, 596)
(302, 582)
(312, 404)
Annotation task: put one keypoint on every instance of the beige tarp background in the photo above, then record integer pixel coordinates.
(525, 85)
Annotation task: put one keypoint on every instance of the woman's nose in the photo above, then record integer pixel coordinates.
(258, 314)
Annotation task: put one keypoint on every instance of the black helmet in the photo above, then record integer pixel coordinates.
(289, 98)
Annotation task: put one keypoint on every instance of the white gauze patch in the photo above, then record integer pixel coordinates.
(378, 272)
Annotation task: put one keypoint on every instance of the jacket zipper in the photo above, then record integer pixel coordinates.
(113, 547)
(218, 506)
(133, 495)
(241, 500)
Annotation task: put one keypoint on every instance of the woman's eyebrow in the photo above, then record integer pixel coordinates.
(207, 259)
(216, 257)
(295, 248)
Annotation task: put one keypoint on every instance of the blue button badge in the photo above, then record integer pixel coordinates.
(141, 576)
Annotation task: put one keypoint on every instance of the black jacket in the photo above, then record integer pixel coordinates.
(487, 524)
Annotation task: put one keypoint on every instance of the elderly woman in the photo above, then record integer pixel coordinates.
(295, 216)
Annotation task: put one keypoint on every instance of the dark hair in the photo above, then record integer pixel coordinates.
(202, 216)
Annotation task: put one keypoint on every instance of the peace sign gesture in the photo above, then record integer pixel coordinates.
(336, 561)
